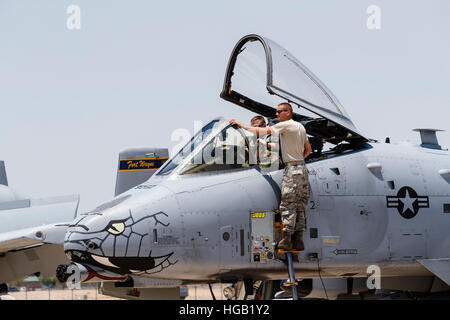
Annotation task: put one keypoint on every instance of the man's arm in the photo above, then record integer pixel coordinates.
(308, 149)
(256, 130)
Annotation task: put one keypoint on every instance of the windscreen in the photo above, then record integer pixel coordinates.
(188, 148)
(228, 150)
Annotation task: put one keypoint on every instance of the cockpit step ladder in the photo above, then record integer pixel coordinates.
(292, 281)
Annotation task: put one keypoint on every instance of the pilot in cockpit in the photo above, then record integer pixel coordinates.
(259, 121)
(260, 144)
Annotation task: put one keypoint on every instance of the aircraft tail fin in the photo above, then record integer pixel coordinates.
(3, 178)
(137, 165)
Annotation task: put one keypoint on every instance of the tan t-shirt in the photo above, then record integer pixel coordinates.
(293, 138)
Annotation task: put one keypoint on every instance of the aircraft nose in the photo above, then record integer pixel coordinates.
(120, 237)
(81, 237)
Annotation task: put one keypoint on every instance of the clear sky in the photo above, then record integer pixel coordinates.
(135, 71)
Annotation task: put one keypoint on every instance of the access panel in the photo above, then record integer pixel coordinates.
(262, 236)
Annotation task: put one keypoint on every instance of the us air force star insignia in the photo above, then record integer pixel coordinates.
(407, 202)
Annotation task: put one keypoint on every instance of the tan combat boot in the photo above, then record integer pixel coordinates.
(297, 242)
(285, 243)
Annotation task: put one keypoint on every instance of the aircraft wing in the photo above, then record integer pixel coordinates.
(439, 267)
(32, 221)
(28, 238)
(32, 235)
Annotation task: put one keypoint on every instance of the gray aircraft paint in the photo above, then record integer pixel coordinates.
(174, 226)
(32, 232)
(354, 215)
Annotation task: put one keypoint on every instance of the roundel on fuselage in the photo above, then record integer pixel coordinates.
(407, 202)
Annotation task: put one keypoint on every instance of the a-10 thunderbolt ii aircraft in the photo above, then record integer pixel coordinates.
(32, 231)
(208, 220)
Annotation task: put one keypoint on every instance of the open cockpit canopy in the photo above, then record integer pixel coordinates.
(258, 66)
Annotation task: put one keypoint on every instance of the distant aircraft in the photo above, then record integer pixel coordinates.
(32, 232)
(213, 220)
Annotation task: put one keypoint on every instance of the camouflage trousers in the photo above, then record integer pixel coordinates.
(294, 198)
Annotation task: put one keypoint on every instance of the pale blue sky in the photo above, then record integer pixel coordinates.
(138, 70)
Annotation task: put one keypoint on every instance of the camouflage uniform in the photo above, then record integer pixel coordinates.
(294, 197)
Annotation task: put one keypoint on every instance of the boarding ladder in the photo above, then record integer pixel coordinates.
(292, 281)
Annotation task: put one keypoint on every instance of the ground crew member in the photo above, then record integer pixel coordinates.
(295, 148)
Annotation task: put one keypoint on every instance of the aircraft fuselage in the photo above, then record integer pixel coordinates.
(383, 205)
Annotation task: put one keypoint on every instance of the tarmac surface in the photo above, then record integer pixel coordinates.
(197, 292)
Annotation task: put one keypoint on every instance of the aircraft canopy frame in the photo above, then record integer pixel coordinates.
(287, 78)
